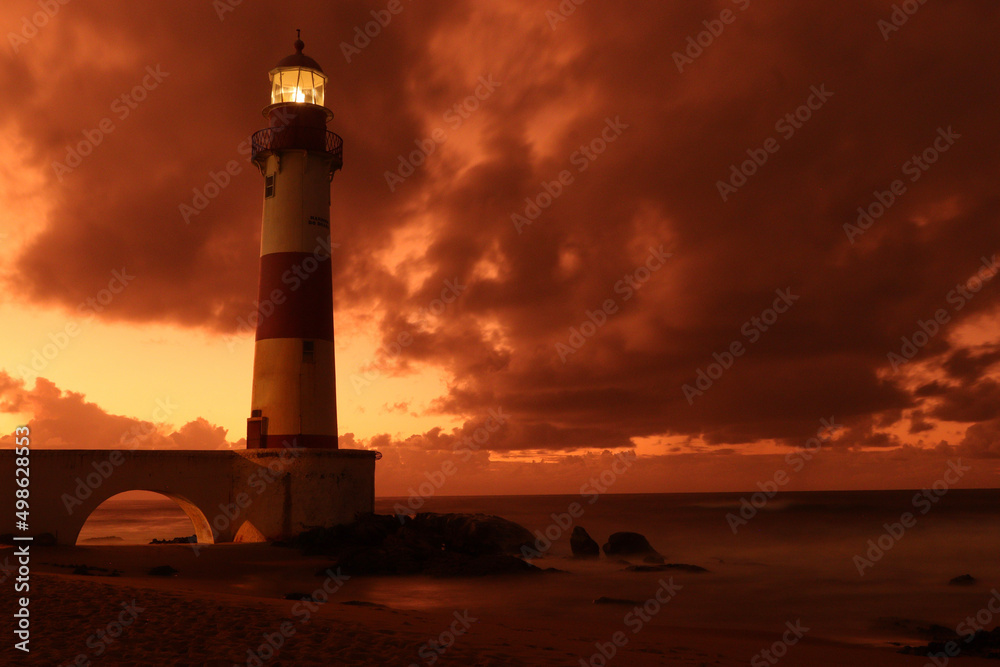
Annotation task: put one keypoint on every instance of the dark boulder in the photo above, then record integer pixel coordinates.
(980, 644)
(163, 571)
(306, 597)
(606, 600)
(441, 545)
(190, 539)
(682, 567)
(629, 544)
(583, 545)
(963, 580)
(470, 533)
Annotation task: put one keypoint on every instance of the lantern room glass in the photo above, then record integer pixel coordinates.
(297, 84)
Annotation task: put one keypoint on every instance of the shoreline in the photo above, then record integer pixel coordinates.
(230, 598)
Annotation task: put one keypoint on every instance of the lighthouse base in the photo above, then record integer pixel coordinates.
(230, 496)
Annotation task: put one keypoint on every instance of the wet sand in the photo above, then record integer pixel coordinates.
(227, 600)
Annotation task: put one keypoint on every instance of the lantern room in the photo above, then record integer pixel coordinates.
(298, 79)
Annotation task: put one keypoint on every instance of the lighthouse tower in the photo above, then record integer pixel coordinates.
(294, 397)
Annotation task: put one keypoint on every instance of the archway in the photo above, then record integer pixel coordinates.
(139, 515)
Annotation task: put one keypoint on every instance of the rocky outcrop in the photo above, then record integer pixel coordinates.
(441, 545)
(628, 544)
(583, 545)
(664, 567)
(190, 539)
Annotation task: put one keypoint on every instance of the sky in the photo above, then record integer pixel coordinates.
(716, 235)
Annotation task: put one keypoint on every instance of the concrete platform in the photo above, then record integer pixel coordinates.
(230, 496)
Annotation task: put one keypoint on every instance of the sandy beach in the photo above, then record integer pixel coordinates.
(226, 601)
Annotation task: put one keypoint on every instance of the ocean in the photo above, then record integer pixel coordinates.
(871, 558)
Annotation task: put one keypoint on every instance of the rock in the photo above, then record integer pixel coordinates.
(464, 533)
(963, 580)
(606, 600)
(83, 570)
(163, 571)
(982, 644)
(441, 545)
(299, 596)
(629, 544)
(472, 533)
(583, 545)
(683, 567)
(190, 539)
(654, 560)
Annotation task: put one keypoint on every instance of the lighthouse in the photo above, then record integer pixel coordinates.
(294, 396)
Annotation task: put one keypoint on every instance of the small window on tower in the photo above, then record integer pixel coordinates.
(269, 186)
(308, 349)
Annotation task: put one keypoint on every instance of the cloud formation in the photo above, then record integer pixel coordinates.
(807, 113)
(66, 420)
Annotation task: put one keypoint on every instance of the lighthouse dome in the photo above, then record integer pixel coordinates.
(298, 79)
(299, 59)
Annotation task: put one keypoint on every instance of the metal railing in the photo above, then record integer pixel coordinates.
(297, 136)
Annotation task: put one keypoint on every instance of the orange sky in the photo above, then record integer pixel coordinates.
(575, 197)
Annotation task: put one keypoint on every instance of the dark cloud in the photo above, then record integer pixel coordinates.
(654, 185)
(965, 364)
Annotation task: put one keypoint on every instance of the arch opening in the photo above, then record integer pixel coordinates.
(140, 515)
(249, 533)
